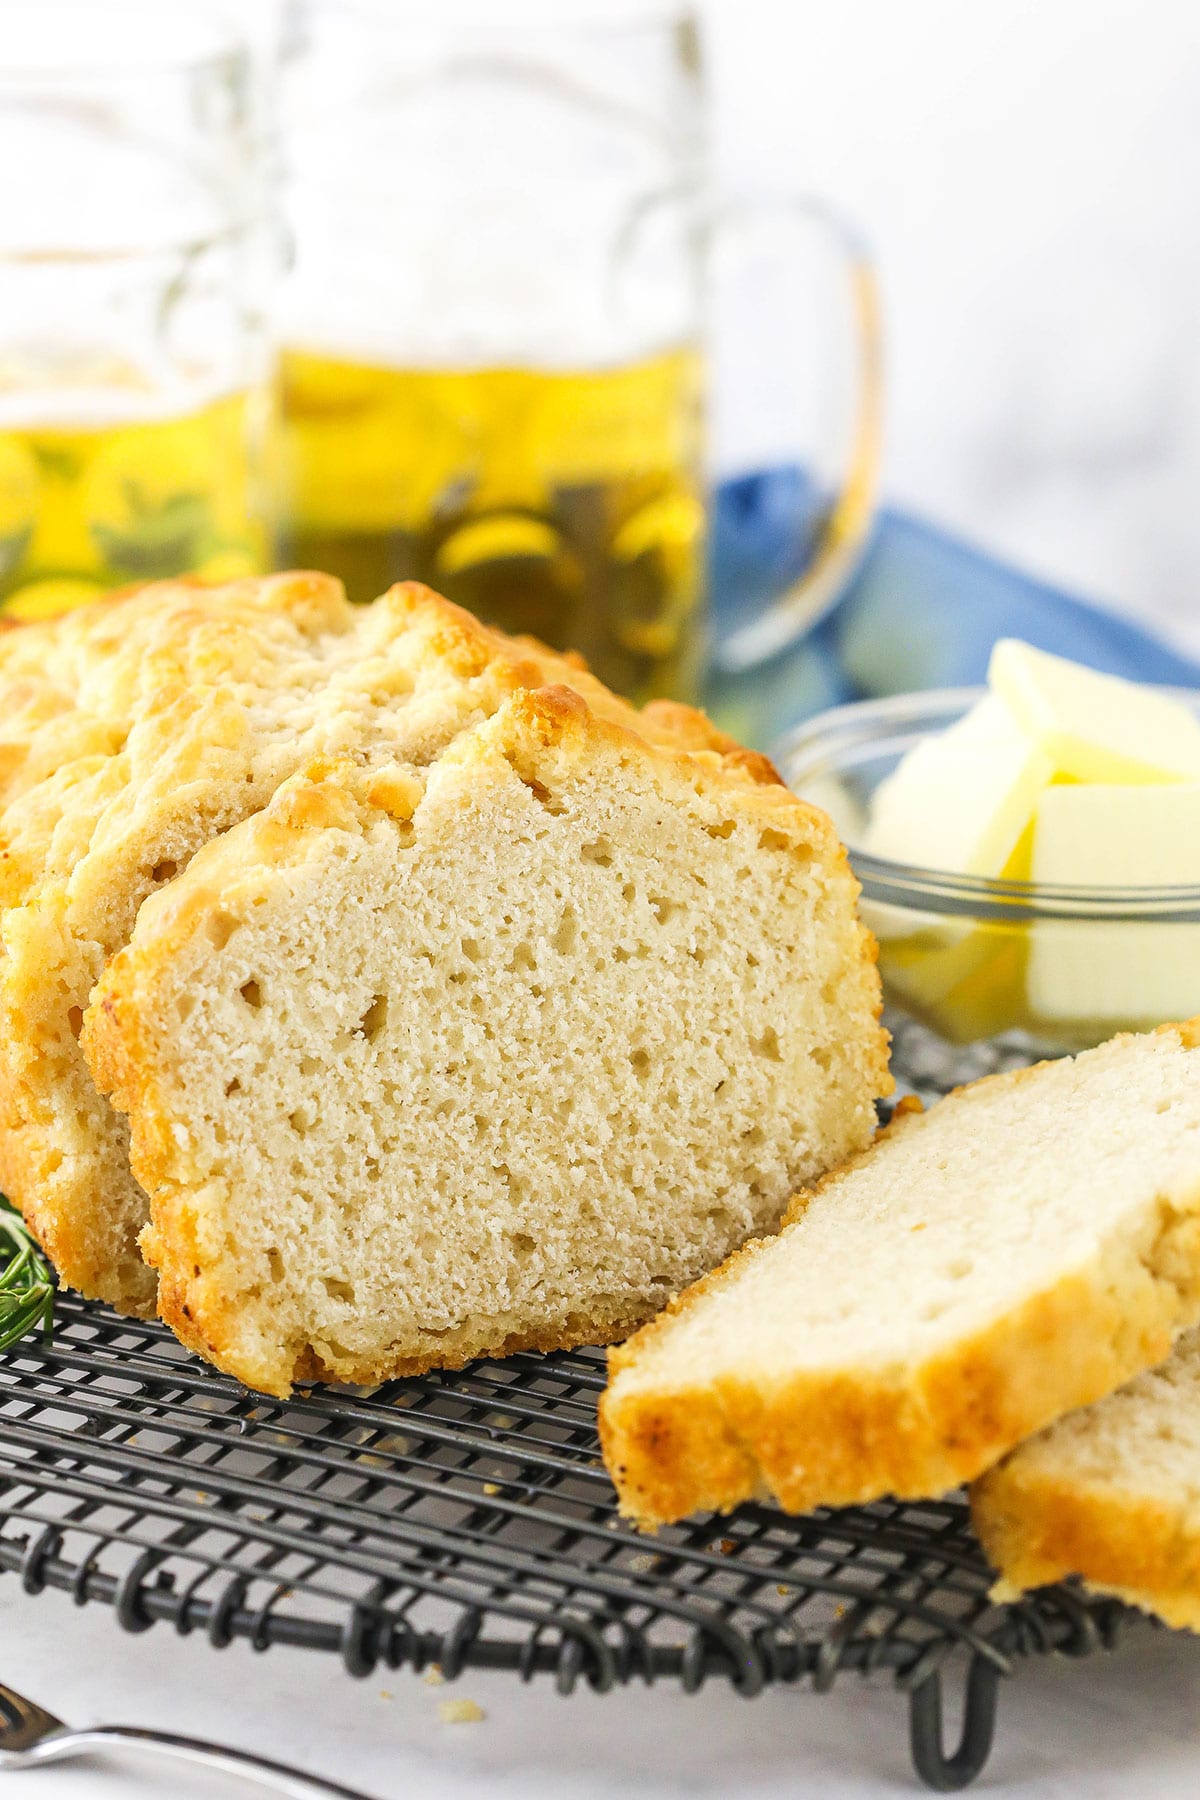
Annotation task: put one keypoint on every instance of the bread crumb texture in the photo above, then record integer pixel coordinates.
(1111, 1494)
(460, 1712)
(855, 1355)
(493, 1044)
(135, 731)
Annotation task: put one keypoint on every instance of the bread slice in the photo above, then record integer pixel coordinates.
(1021, 1249)
(1111, 1493)
(176, 712)
(423, 1064)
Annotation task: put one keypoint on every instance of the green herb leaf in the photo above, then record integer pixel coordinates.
(27, 1284)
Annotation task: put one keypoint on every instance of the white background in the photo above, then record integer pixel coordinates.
(1029, 173)
(1030, 176)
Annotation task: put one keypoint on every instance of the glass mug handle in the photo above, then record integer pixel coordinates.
(844, 531)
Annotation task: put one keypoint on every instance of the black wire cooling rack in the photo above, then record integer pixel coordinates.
(466, 1520)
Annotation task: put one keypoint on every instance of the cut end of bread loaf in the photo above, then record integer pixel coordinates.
(1110, 1494)
(427, 1062)
(135, 731)
(1019, 1250)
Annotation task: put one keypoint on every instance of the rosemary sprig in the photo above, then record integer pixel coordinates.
(27, 1284)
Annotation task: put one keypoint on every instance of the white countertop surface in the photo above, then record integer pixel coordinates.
(1114, 1725)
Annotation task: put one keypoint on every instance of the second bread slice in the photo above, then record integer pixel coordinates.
(1111, 1494)
(1022, 1249)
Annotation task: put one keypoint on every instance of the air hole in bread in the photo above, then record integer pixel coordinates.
(232, 1087)
(662, 909)
(720, 1218)
(822, 1056)
(544, 797)
(471, 950)
(753, 1136)
(338, 1290)
(599, 851)
(959, 1268)
(568, 931)
(302, 1120)
(725, 829)
(640, 1060)
(629, 893)
(621, 954)
(251, 993)
(521, 1245)
(776, 840)
(220, 927)
(523, 957)
(374, 1019)
(165, 870)
(768, 1045)
(275, 1264)
(75, 1020)
(184, 1007)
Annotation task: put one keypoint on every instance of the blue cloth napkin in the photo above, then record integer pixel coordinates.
(923, 611)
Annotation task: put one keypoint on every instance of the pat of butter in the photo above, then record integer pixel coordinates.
(1120, 971)
(1096, 728)
(964, 986)
(961, 801)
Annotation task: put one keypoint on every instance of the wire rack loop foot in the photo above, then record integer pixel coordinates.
(949, 1774)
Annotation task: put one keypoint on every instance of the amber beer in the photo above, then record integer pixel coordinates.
(562, 502)
(92, 498)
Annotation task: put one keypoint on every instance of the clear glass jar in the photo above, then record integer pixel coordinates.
(135, 252)
(495, 354)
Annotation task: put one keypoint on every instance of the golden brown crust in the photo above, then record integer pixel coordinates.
(841, 1437)
(1039, 1527)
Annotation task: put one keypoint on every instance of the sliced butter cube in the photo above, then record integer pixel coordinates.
(961, 801)
(1116, 972)
(1095, 727)
(965, 988)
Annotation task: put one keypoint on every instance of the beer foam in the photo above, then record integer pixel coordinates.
(94, 408)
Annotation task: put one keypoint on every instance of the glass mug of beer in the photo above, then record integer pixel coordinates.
(134, 392)
(494, 373)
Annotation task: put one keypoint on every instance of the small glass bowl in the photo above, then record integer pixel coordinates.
(1038, 969)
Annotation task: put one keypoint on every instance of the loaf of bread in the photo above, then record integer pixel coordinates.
(423, 1062)
(1021, 1249)
(1111, 1494)
(136, 731)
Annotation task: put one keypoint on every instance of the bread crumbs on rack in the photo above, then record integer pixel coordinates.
(460, 1712)
(433, 1675)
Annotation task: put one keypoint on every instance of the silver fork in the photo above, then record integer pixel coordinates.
(29, 1735)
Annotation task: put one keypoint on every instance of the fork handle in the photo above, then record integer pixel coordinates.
(261, 1769)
